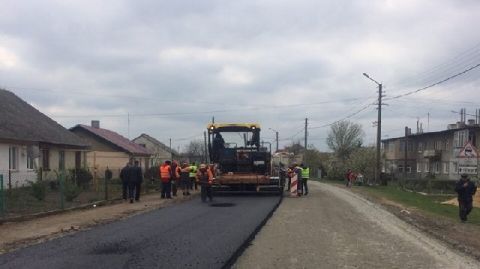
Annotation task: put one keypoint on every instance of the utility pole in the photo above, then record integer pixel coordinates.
(206, 149)
(379, 135)
(378, 168)
(306, 135)
(128, 125)
(406, 154)
(276, 140)
(171, 152)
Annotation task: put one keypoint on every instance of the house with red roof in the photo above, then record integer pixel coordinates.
(109, 149)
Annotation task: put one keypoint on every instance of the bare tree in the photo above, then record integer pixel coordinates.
(195, 150)
(344, 137)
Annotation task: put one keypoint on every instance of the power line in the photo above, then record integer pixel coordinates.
(435, 84)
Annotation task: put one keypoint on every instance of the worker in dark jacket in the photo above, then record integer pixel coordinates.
(135, 179)
(124, 177)
(465, 190)
(138, 180)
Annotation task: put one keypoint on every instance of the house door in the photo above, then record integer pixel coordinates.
(78, 159)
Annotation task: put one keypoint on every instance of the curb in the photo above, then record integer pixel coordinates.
(233, 259)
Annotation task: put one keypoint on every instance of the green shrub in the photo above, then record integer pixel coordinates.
(38, 189)
(71, 190)
(82, 177)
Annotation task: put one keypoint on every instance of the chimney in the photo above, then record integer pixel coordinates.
(96, 124)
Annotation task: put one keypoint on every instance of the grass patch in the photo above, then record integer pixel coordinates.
(431, 203)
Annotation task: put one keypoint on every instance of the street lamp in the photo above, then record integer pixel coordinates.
(379, 128)
(276, 137)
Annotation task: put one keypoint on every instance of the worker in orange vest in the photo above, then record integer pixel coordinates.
(166, 178)
(205, 178)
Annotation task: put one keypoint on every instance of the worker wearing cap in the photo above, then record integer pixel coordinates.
(465, 190)
(193, 174)
(166, 177)
(205, 178)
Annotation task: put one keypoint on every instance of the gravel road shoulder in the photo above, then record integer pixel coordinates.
(335, 228)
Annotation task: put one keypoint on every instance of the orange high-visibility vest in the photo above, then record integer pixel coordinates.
(165, 172)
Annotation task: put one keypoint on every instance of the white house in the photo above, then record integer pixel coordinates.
(30, 142)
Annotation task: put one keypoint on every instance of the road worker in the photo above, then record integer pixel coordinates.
(205, 178)
(305, 177)
(193, 173)
(175, 170)
(166, 177)
(465, 190)
(124, 177)
(135, 181)
(185, 178)
(290, 174)
(299, 171)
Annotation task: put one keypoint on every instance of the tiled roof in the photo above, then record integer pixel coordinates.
(158, 143)
(116, 139)
(21, 121)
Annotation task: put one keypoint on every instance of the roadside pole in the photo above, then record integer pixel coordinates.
(62, 190)
(2, 198)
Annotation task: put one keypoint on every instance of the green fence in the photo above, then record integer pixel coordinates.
(66, 190)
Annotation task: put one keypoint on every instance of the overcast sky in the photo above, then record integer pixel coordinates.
(172, 65)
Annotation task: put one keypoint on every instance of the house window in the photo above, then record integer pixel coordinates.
(30, 157)
(436, 166)
(437, 145)
(447, 145)
(402, 145)
(410, 146)
(61, 160)
(421, 146)
(446, 167)
(400, 168)
(455, 167)
(13, 158)
(45, 159)
(419, 167)
(427, 167)
(409, 169)
(78, 159)
(460, 138)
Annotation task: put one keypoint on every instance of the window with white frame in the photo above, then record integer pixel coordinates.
(455, 167)
(30, 158)
(419, 167)
(437, 145)
(420, 146)
(13, 158)
(446, 167)
(427, 167)
(460, 138)
(436, 166)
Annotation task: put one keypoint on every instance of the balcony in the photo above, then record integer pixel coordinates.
(432, 153)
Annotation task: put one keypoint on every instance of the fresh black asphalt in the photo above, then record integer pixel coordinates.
(187, 235)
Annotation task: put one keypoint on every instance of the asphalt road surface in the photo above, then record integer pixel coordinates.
(186, 235)
(335, 228)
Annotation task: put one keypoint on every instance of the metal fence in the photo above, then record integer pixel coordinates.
(30, 193)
